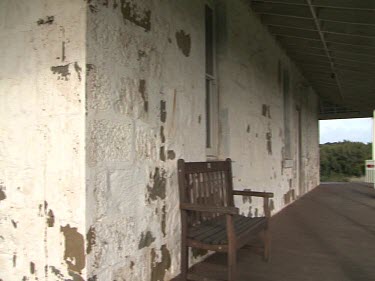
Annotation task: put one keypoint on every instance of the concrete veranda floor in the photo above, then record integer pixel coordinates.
(327, 235)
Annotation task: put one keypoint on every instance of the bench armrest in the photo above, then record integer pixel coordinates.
(253, 193)
(209, 209)
(265, 195)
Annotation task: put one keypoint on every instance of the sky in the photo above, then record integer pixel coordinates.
(358, 129)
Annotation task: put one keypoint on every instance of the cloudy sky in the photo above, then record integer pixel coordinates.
(359, 129)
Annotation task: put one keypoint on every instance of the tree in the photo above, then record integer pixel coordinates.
(342, 160)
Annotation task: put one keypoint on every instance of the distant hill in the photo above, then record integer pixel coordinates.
(340, 161)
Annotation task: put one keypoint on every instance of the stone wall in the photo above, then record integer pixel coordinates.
(252, 111)
(101, 97)
(42, 156)
(146, 98)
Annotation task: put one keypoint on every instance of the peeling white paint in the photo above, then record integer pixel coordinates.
(247, 70)
(90, 108)
(42, 143)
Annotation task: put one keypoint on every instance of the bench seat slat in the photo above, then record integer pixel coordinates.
(214, 231)
(242, 230)
(210, 228)
(245, 225)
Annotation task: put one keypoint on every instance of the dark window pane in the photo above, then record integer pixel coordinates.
(209, 41)
(287, 108)
(208, 114)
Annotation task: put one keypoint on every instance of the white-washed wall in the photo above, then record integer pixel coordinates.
(42, 157)
(146, 98)
(252, 110)
(91, 193)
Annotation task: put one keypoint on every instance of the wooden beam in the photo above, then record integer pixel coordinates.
(291, 31)
(367, 5)
(361, 48)
(323, 78)
(345, 78)
(344, 28)
(341, 50)
(366, 65)
(312, 59)
(319, 56)
(313, 62)
(296, 37)
(320, 76)
(321, 35)
(332, 87)
(300, 42)
(280, 28)
(285, 2)
(299, 11)
(338, 14)
(355, 75)
(312, 72)
(347, 16)
(352, 55)
(323, 82)
(346, 4)
(288, 21)
(358, 69)
(312, 51)
(309, 43)
(314, 67)
(302, 54)
(350, 39)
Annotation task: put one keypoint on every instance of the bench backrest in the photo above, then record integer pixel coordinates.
(205, 183)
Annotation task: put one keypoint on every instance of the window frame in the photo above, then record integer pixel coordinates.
(211, 91)
(287, 108)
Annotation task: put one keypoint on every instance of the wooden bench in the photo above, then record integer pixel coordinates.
(209, 219)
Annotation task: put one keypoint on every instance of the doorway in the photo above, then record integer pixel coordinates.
(299, 161)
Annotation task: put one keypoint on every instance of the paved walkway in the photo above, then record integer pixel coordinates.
(327, 235)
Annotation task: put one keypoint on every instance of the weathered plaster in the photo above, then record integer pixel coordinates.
(251, 102)
(100, 99)
(183, 42)
(152, 87)
(149, 78)
(42, 155)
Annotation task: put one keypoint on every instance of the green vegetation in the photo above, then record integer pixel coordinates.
(340, 161)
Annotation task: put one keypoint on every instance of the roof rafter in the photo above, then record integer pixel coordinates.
(323, 4)
(332, 42)
(343, 33)
(333, 57)
(364, 18)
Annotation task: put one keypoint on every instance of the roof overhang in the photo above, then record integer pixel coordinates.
(333, 44)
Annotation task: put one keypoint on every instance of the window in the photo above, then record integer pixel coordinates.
(287, 107)
(211, 92)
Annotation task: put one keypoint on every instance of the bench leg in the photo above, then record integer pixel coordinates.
(184, 260)
(232, 263)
